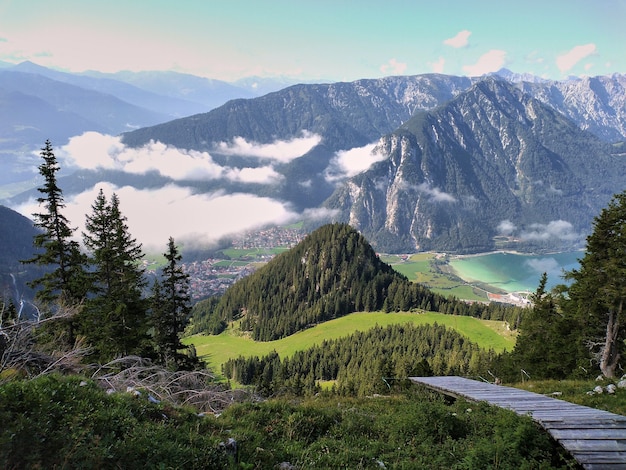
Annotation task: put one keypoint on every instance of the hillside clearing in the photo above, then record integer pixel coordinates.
(230, 344)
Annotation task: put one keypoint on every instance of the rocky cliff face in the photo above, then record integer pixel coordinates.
(493, 161)
(597, 104)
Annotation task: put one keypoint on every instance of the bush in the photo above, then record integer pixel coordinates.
(67, 422)
(54, 421)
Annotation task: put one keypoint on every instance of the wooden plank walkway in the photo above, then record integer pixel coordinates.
(595, 438)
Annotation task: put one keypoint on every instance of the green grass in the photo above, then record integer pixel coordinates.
(575, 391)
(218, 349)
(71, 422)
(420, 268)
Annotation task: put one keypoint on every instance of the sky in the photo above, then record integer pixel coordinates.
(336, 40)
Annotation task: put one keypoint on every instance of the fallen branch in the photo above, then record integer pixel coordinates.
(190, 388)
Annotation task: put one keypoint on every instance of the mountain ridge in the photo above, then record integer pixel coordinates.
(356, 115)
(450, 182)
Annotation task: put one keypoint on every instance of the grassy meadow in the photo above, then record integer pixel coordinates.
(432, 270)
(231, 343)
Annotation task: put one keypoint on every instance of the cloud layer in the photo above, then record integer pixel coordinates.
(560, 229)
(93, 151)
(198, 219)
(281, 150)
(348, 163)
(180, 211)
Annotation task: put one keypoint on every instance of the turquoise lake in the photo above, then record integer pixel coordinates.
(515, 272)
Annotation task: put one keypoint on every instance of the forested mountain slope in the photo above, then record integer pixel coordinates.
(332, 272)
(493, 161)
(16, 244)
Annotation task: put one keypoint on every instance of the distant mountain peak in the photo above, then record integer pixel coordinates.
(518, 77)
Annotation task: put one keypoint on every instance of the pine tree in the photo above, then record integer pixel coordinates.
(598, 291)
(171, 311)
(116, 315)
(66, 282)
(545, 346)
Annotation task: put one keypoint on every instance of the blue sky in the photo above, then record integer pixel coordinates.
(318, 39)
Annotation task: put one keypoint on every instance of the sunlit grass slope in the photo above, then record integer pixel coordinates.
(230, 344)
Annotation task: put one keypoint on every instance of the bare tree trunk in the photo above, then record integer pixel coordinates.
(610, 357)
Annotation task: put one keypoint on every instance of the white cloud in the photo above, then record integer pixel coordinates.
(491, 61)
(94, 151)
(281, 150)
(261, 175)
(438, 66)
(567, 61)
(155, 215)
(348, 163)
(560, 229)
(460, 40)
(544, 265)
(506, 227)
(435, 194)
(393, 67)
(320, 213)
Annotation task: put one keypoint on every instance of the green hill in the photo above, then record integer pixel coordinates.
(218, 349)
(333, 272)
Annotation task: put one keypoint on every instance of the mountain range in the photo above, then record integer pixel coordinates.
(443, 163)
(465, 165)
(39, 103)
(492, 162)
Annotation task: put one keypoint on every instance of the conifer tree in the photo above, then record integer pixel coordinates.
(598, 291)
(171, 311)
(546, 346)
(66, 280)
(116, 315)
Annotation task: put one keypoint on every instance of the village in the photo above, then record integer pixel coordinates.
(212, 276)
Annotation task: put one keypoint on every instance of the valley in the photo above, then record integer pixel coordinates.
(295, 235)
(480, 277)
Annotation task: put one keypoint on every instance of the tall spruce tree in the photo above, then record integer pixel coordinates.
(598, 292)
(64, 279)
(116, 314)
(546, 344)
(171, 311)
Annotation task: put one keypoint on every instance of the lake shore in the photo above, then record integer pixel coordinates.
(513, 271)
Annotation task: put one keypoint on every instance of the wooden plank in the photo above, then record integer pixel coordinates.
(605, 466)
(600, 424)
(602, 457)
(595, 438)
(611, 445)
(589, 434)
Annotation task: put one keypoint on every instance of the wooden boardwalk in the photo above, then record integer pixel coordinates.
(595, 438)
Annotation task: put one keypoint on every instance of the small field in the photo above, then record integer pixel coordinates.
(230, 344)
(432, 270)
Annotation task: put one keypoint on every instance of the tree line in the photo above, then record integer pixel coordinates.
(103, 282)
(364, 363)
(578, 329)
